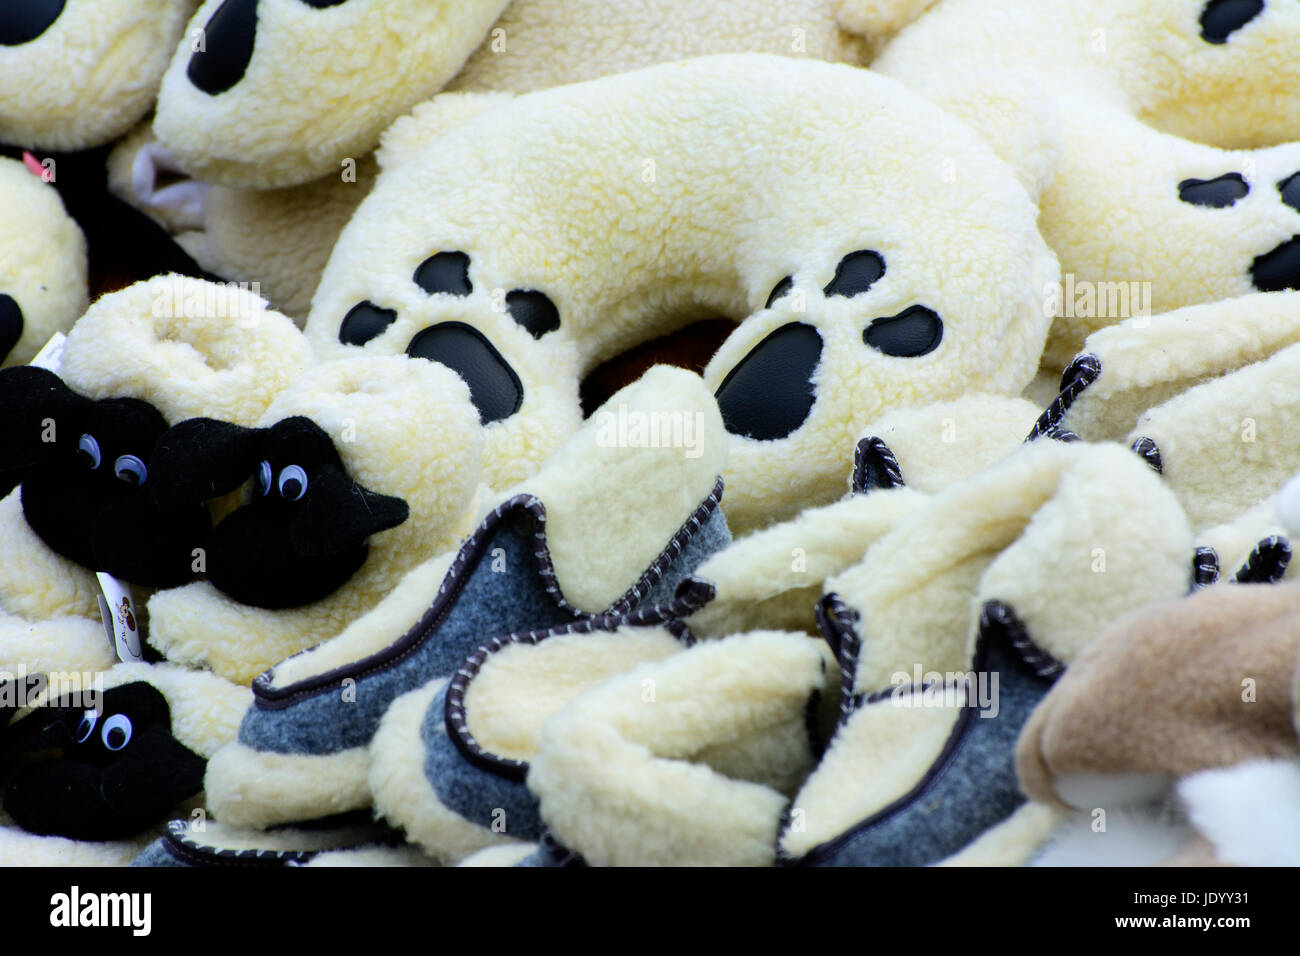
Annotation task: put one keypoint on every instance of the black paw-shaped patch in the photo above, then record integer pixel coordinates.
(226, 47)
(1219, 193)
(11, 324)
(364, 322)
(1278, 270)
(770, 393)
(22, 21)
(1222, 18)
(534, 311)
(445, 272)
(780, 291)
(1290, 190)
(856, 273)
(494, 387)
(915, 331)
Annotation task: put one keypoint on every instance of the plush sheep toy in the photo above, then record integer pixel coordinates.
(1179, 181)
(863, 279)
(79, 73)
(42, 264)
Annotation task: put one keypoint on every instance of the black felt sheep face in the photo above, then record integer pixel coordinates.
(301, 533)
(103, 772)
(83, 466)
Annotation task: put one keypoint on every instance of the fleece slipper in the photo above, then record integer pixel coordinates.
(1173, 689)
(610, 524)
(449, 760)
(688, 761)
(1253, 548)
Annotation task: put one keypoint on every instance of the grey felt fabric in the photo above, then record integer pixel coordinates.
(475, 793)
(158, 854)
(713, 536)
(971, 787)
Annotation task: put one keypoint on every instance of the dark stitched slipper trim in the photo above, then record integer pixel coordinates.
(838, 624)
(1150, 453)
(557, 854)
(875, 467)
(268, 697)
(1267, 563)
(1078, 375)
(1057, 433)
(455, 716)
(996, 620)
(1205, 567)
(181, 845)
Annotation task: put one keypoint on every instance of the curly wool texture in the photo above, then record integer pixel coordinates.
(686, 145)
(42, 260)
(402, 427)
(59, 644)
(305, 85)
(91, 76)
(1146, 103)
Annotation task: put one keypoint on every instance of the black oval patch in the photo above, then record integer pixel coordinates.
(445, 272)
(1290, 190)
(1217, 193)
(780, 291)
(494, 387)
(770, 393)
(856, 273)
(914, 331)
(534, 311)
(11, 324)
(1278, 270)
(322, 4)
(1220, 18)
(228, 42)
(364, 322)
(22, 21)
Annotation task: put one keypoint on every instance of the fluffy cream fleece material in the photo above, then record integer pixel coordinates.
(1070, 535)
(42, 260)
(402, 427)
(707, 144)
(1235, 541)
(687, 761)
(1250, 813)
(1149, 97)
(53, 645)
(90, 75)
(35, 582)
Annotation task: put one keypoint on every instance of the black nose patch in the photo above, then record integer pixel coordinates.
(1217, 193)
(914, 331)
(856, 273)
(494, 387)
(1220, 18)
(445, 272)
(780, 291)
(227, 47)
(533, 311)
(364, 322)
(1278, 270)
(22, 21)
(11, 324)
(1290, 190)
(770, 393)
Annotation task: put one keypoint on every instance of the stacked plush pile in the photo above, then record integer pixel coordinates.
(383, 582)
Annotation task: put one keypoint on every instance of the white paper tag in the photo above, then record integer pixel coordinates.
(50, 357)
(117, 609)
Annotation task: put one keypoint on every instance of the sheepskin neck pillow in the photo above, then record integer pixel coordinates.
(862, 274)
(1179, 177)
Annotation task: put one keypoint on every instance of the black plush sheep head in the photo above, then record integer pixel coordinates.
(302, 533)
(84, 473)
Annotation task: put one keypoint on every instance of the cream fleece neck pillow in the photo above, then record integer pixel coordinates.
(861, 278)
(1179, 181)
(42, 264)
(79, 73)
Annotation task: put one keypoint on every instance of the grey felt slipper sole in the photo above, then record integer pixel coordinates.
(301, 744)
(217, 845)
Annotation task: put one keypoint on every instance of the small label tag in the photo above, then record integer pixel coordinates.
(118, 612)
(50, 357)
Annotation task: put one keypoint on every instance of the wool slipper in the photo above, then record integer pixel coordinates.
(449, 760)
(607, 526)
(688, 761)
(1253, 548)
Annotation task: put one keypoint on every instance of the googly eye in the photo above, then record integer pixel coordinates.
(293, 483)
(131, 470)
(87, 726)
(116, 732)
(264, 477)
(88, 451)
